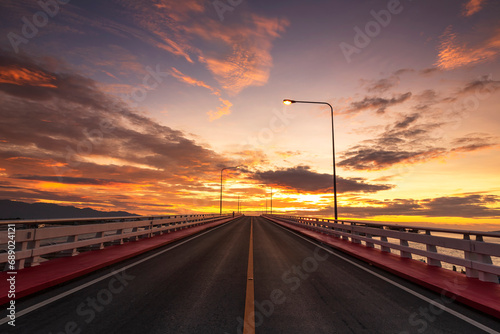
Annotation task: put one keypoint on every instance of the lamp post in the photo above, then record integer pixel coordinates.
(223, 169)
(288, 102)
(271, 200)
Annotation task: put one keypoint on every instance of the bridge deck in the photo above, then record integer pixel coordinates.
(484, 296)
(200, 286)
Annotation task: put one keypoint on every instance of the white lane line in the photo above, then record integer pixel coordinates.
(78, 288)
(416, 294)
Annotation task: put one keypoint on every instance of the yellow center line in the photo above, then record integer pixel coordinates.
(249, 323)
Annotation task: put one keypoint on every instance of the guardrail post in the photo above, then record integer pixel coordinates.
(71, 239)
(369, 244)
(344, 231)
(120, 240)
(335, 231)
(433, 249)
(383, 247)
(484, 258)
(100, 235)
(34, 260)
(404, 254)
(20, 246)
(354, 240)
(150, 234)
(135, 237)
(403, 242)
(470, 256)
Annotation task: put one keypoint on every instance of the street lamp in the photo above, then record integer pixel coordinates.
(271, 200)
(223, 169)
(288, 102)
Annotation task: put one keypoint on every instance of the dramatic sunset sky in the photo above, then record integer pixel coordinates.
(137, 105)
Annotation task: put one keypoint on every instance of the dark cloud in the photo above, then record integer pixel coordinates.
(482, 87)
(60, 127)
(425, 100)
(404, 141)
(406, 121)
(76, 120)
(24, 78)
(27, 194)
(302, 178)
(382, 85)
(411, 139)
(473, 142)
(379, 103)
(69, 180)
(464, 98)
(429, 71)
(403, 71)
(393, 148)
(468, 206)
(374, 158)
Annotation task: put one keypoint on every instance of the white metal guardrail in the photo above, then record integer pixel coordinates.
(30, 242)
(468, 249)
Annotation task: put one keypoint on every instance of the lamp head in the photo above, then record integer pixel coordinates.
(288, 101)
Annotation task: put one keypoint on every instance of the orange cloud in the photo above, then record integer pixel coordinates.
(225, 109)
(25, 77)
(472, 7)
(164, 21)
(173, 47)
(189, 80)
(453, 53)
(115, 88)
(287, 154)
(249, 63)
(181, 10)
(238, 55)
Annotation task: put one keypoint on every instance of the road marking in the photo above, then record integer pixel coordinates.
(78, 288)
(249, 322)
(416, 294)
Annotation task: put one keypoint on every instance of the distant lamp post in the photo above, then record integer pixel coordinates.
(271, 200)
(223, 169)
(288, 102)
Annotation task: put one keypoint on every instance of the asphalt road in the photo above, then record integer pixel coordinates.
(200, 285)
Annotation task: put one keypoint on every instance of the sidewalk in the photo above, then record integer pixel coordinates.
(48, 274)
(483, 296)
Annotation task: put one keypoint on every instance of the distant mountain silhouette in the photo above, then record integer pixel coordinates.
(21, 210)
